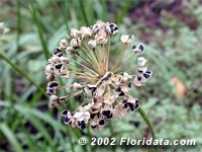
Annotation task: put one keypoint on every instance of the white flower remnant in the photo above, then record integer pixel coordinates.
(3, 29)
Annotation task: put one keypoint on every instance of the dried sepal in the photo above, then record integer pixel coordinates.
(92, 44)
(54, 101)
(141, 61)
(137, 49)
(63, 43)
(126, 39)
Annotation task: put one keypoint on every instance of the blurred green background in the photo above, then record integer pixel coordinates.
(172, 100)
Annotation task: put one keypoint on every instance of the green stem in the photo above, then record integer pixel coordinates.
(11, 137)
(65, 14)
(91, 55)
(40, 33)
(144, 116)
(14, 66)
(124, 63)
(18, 26)
(83, 12)
(119, 58)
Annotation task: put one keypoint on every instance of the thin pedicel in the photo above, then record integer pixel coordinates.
(87, 60)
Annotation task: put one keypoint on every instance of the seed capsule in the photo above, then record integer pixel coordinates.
(58, 52)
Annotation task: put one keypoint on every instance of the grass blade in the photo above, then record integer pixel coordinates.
(146, 119)
(84, 12)
(16, 68)
(11, 137)
(40, 33)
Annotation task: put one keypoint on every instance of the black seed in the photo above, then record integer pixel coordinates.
(136, 105)
(67, 120)
(148, 72)
(131, 106)
(124, 101)
(116, 28)
(58, 52)
(118, 89)
(80, 123)
(126, 105)
(53, 84)
(51, 91)
(101, 122)
(111, 26)
(136, 123)
(92, 116)
(93, 126)
(146, 75)
(134, 46)
(105, 113)
(109, 116)
(58, 66)
(83, 126)
(141, 47)
(130, 85)
(140, 71)
(121, 93)
(139, 78)
(65, 112)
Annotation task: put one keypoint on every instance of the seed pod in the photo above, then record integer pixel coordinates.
(54, 101)
(126, 39)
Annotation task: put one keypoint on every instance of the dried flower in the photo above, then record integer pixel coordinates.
(141, 61)
(126, 39)
(75, 43)
(103, 82)
(137, 49)
(86, 32)
(92, 44)
(63, 43)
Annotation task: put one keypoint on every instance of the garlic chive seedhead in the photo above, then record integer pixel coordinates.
(84, 59)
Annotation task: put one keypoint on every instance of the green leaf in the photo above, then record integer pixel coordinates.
(19, 70)
(146, 119)
(11, 137)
